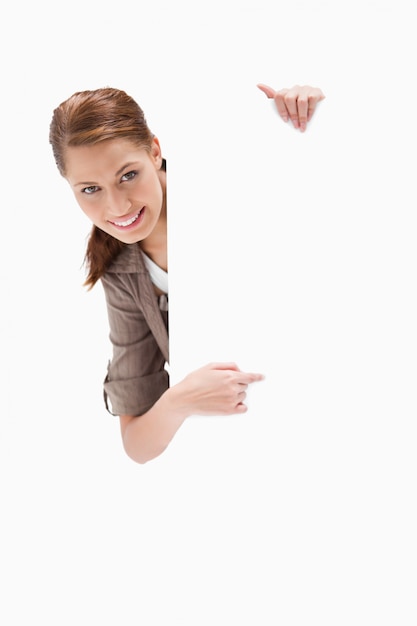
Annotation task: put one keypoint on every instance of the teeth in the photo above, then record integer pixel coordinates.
(127, 222)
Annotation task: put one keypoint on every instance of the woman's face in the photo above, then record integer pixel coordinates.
(118, 186)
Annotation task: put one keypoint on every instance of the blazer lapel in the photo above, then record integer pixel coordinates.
(150, 307)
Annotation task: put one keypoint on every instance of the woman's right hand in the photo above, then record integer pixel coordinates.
(215, 389)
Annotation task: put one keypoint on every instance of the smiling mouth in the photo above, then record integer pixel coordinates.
(128, 222)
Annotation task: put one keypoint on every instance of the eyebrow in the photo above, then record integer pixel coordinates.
(119, 171)
(124, 167)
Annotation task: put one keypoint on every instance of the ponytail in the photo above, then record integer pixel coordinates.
(102, 250)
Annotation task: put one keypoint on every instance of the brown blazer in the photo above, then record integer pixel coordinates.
(138, 320)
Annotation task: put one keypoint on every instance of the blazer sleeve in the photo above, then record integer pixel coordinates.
(136, 375)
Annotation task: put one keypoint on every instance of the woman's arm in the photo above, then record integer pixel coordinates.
(216, 389)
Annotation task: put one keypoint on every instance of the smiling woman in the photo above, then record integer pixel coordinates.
(122, 189)
(103, 147)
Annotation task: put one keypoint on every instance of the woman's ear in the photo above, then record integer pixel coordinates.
(156, 152)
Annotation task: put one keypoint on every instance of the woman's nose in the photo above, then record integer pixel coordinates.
(118, 203)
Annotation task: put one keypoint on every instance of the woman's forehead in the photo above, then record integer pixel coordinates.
(106, 156)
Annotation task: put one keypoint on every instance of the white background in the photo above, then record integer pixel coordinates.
(291, 254)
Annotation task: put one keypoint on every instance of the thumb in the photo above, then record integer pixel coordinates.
(224, 366)
(268, 91)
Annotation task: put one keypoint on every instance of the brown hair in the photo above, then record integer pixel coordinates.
(88, 117)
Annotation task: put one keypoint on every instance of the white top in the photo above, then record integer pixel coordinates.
(159, 277)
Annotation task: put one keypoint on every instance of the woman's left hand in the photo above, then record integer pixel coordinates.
(297, 103)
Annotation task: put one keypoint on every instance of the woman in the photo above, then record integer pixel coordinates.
(114, 165)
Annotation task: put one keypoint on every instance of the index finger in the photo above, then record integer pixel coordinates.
(250, 377)
(281, 104)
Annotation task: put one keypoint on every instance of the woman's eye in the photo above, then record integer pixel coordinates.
(129, 176)
(89, 190)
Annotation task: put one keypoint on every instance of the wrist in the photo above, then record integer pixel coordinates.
(176, 401)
